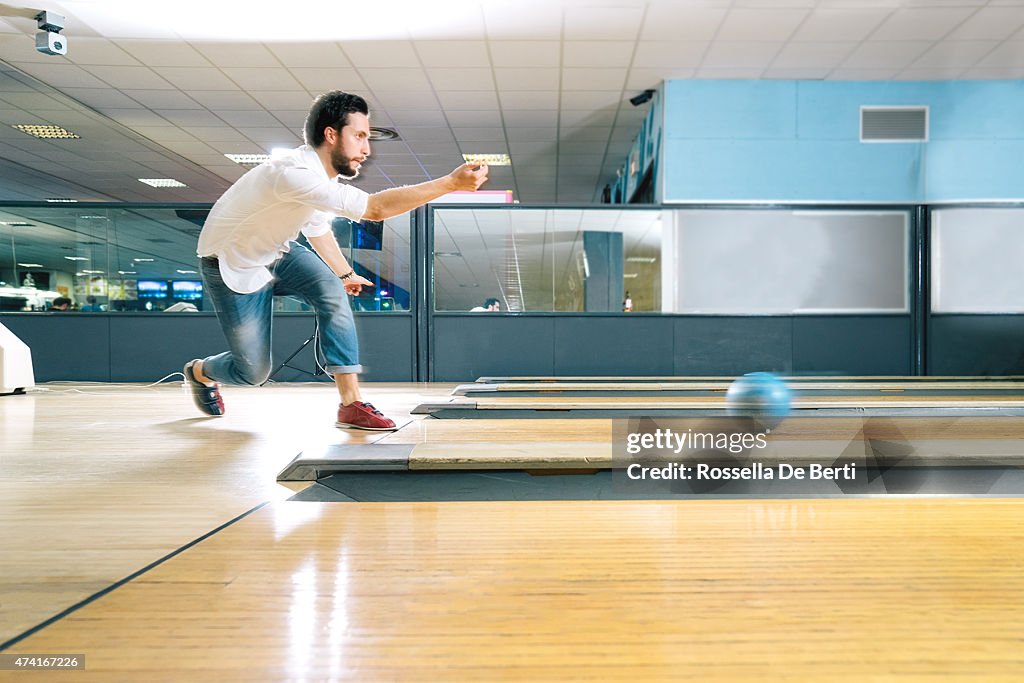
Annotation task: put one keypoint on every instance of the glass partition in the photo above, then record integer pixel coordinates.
(107, 258)
(975, 260)
(686, 261)
(540, 260)
(783, 261)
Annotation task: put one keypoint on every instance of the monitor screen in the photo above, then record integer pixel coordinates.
(152, 289)
(187, 289)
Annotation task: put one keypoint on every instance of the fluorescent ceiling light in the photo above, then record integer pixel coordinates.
(77, 258)
(31, 265)
(45, 132)
(641, 259)
(126, 272)
(61, 200)
(489, 159)
(248, 159)
(143, 260)
(93, 272)
(630, 276)
(188, 272)
(17, 225)
(162, 182)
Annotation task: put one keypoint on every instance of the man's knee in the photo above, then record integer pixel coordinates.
(254, 373)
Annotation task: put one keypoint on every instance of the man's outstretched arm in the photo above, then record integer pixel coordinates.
(398, 200)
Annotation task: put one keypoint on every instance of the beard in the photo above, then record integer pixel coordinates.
(343, 165)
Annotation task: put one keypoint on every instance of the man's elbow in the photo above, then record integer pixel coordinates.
(375, 211)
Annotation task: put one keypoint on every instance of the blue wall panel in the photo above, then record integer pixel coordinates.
(800, 141)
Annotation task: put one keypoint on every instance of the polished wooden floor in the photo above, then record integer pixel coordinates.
(100, 481)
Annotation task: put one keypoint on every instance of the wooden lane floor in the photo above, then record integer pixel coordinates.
(553, 444)
(699, 387)
(499, 380)
(596, 405)
(836, 590)
(100, 480)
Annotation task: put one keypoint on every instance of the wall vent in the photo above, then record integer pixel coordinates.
(894, 124)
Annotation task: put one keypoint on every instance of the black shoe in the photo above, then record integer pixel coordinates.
(207, 398)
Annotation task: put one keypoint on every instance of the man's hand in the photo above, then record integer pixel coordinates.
(354, 285)
(469, 177)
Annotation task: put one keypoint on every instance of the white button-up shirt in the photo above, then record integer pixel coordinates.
(251, 224)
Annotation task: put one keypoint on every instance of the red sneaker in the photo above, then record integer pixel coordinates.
(360, 415)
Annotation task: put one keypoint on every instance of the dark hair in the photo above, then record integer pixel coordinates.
(491, 302)
(61, 301)
(90, 299)
(331, 109)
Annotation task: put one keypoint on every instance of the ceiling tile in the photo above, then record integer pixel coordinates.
(256, 79)
(990, 23)
(461, 79)
(195, 78)
(727, 73)
(669, 54)
(309, 55)
(642, 79)
(882, 55)
(155, 53)
(824, 56)
(953, 55)
(381, 54)
(474, 119)
(597, 53)
(593, 79)
(189, 118)
(527, 79)
(395, 79)
(452, 53)
(1007, 55)
(238, 55)
(677, 22)
(246, 118)
(844, 25)
(760, 24)
(591, 100)
(526, 53)
(225, 99)
(60, 75)
(533, 19)
(162, 99)
(468, 100)
(138, 77)
(921, 24)
(746, 55)
(100, 52)
(602, 23)
(322, 80)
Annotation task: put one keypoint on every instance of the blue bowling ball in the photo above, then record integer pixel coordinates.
(761, 396)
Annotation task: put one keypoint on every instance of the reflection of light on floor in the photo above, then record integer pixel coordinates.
(302, 620)
(337, 627)
(290, 516)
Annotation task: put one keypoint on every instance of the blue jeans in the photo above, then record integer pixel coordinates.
(247, 318)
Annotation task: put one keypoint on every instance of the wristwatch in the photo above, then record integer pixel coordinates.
(349, 275)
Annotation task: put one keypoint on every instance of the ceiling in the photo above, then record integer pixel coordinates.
(165, 91)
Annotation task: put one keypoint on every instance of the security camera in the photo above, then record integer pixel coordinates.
(51, 43)
(642, 98)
